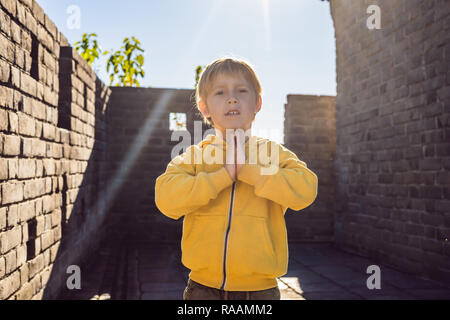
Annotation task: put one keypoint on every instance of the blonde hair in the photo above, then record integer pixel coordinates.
(229, 66)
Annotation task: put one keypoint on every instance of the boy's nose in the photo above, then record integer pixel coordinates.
(232, 100)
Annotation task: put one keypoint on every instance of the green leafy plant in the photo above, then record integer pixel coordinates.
(88, 48)
(198, 71)
(129, 61)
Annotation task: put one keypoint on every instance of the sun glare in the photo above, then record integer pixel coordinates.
(265, 5)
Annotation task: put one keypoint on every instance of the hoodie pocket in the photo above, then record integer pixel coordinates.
(251, 250)
(202, 240)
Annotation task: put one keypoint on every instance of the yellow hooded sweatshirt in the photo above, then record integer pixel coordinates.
(234, 232)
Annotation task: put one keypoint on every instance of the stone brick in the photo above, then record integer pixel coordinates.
(26, 125)
(47, 222)
(56, 219)
(3, 169)
(39, 148)
(443, 150)
(6, 48)
(57, 233)
(54, 251)
(5, 71)
(431, 245)
(21, 254)
(28, 84)
(49, 95)
(34, 188)
(23, 274)
(10, 239)
(5, 23)
(15, 77)
(12, 192)
(3, 120)
(35, 265)
(27, 210)
(48, 204)
(15, 32)
(442, 206)
(45, 275)
(2, 218)
(46, 258)
(38, 13)
(50, 26)
(12, 168)
(13, 217)
(47, 239)
(39, 170)
(40, 92)
(38, 226)
(20, 57)
(9, 285)
(24, 233)
(38, 110)
(430, 164)
(11, 261)
(10, 6)
(49, 167)
(49, 131)
(44, 37)
(20, 15)
(6, 97)
(27, 168)
(25, 292)
(2, 267)
(11, 145)
(431, 192)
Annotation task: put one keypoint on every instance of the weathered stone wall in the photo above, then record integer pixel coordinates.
(393, 133)
(310, 132)
(79, 160)
(52, 144)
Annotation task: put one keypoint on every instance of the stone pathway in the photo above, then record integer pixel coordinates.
(317, 271)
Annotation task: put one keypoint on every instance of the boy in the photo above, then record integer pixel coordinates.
(234, 233)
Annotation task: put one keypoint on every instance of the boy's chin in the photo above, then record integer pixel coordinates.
(236, 125)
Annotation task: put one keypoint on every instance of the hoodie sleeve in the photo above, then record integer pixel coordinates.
(292, 185)
(180, 190)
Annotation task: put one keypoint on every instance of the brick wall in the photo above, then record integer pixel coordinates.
(393, 133)
(52, 144)
(75, 151)
(310, 132)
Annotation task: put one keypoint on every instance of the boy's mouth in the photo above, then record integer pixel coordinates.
(232, 113)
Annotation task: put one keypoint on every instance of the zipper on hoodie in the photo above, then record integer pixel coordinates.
(230, 213)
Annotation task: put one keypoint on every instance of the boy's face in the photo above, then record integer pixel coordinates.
(231, 92)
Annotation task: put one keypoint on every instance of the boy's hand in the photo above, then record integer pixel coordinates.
(235, 157)
(239, 150)
(230, 165)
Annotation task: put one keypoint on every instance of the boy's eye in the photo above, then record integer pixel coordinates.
(241, 90)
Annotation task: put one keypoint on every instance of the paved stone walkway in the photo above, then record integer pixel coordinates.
(316, 272)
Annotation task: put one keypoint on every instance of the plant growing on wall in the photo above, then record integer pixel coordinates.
(88, 48)
(198, 71)
(129, 61)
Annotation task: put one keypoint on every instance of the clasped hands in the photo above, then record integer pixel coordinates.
(235, 153)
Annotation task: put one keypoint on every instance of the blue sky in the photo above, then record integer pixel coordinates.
(289, 42)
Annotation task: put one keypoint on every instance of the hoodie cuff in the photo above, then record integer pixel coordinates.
(221, 179)
(250, 173)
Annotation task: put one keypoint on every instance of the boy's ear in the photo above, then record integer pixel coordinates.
(203, 108)
(258, 105)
